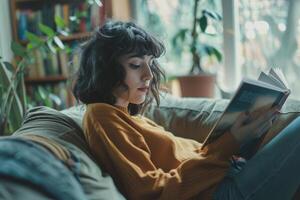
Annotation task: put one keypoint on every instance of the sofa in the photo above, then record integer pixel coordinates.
(184, 117)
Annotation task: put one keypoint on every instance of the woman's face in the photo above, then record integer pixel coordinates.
(138, 77)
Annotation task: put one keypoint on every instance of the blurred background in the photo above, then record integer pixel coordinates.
(213, 43)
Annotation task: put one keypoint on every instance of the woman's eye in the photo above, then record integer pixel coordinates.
(134, 66)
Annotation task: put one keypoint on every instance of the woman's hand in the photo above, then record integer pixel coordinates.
(254, 125)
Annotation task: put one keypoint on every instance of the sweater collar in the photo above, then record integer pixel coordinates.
(124, 109)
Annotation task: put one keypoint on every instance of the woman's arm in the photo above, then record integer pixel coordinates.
(127, 157)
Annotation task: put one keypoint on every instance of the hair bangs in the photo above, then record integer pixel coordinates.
(140, 44)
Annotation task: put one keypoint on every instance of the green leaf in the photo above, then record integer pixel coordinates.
(30, 46)
(33, 38)
(181, 34)
(68, 49)
(58, 42)
(73, 18)
(21, 91)
(212, 51)
(18, 49)
(218, 55)
(50, 46)
(98, 2)
(42, 93)
(212, 14)
(15, 116)
(46, 30)
(64, 32)
(55, 99)
(90, 2)
(9, 66)
(203, 23)
(5, 76)
(2, 76)
(59, 21)
(82, 14)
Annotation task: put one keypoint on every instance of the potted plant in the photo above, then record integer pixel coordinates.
(198, 82)
(13, 97)
(12, 88)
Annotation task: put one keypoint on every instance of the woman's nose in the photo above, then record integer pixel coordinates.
(148, 75)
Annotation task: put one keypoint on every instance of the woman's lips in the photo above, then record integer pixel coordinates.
(143, 89)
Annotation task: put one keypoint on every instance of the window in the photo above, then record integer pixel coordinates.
(166, 18)
(267, 34)
(270, 38)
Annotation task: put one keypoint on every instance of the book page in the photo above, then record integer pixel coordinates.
(270, 80)
(276, 72)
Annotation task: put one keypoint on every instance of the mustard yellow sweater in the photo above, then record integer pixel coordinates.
(148, 162)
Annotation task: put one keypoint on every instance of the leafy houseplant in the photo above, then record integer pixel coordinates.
(12, 87)
(191, 38)
(13, 97)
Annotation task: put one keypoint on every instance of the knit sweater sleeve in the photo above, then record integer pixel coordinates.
(123, 152)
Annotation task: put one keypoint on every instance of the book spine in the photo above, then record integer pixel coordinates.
(65, 15)
(63, 62)
(22, 25)
(40, 64)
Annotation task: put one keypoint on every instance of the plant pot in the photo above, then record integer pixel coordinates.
(202, 85)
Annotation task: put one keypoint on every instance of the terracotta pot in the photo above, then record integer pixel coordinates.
(202, 85)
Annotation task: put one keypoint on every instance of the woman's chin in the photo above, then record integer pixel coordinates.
(139, 100)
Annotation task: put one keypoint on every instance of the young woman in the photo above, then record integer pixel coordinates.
(118, 76)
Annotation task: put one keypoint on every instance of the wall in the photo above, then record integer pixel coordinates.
(121, 9)
(5, 33)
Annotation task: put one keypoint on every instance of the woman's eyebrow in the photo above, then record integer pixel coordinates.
(139, 56)
(136, 55)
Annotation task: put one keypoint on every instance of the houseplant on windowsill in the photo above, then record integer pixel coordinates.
(198, 82)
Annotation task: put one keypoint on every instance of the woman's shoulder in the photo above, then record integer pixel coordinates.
(99, 106)
(103, 109)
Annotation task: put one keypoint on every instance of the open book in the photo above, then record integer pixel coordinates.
(252, 95)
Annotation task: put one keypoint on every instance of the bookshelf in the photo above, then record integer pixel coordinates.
(45, 80)
(51, 70)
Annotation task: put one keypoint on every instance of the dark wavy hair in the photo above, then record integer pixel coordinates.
(100, 72)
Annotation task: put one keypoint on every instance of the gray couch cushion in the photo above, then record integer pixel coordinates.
(194, 117)
(187, 117)
(62, 129)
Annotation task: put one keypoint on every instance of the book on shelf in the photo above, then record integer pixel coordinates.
(271, 89)
(63, 60)
(49, 64)
(55, 96)
(29, 19)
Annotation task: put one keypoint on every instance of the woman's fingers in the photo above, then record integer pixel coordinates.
(264, 118)
(247, 127)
